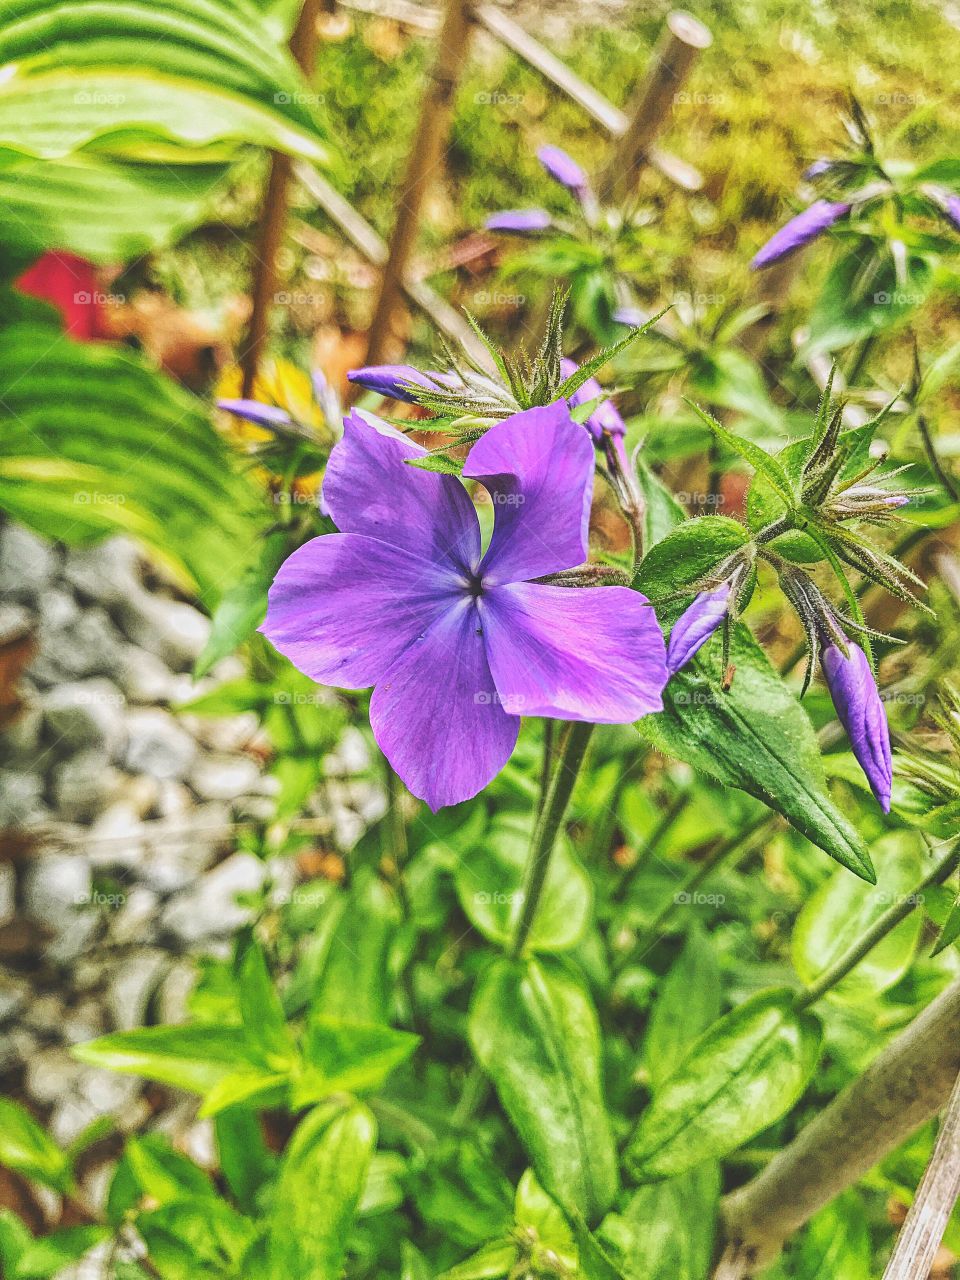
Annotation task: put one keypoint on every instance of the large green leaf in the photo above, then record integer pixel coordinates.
(188, 1057)
(842, 910)
(101, 209)
(134, 73)
(534, 1031)
(835, 1243)
(757, 737)
(740, 1076)
(25, 1147)
(321, 1181)
(489, 883)
(667, 1228)
(689, 1001)
(355, 983)
(93, 441)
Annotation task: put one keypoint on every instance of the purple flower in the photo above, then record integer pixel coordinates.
(800, 230)
(457, 645)
(519, 221)
(564, 169)
(631, 316)
(946, 201)
(860, 711)
(605, 418)
(391, 379)
(696, 625)
(264, 415)
(817, 169)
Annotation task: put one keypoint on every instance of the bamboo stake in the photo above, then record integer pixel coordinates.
(683, 39)
(303, 46)
(424, 160)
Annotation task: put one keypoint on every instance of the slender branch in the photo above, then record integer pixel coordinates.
(927, 1218)
(879, 930)
(907, 1083)
(548, 826)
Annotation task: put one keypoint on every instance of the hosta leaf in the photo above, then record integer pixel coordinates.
(133, 72)
(534, 1031)
(756, 737)
(321, 1180)
(742, 1074)
(489, 883)
(842, 910)
(92, 441)
(102, 210)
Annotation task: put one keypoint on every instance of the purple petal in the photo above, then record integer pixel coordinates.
(344, 607)
(631, 316)
(800, 230)
(817, 169)
(436, 715)
(605, 418)
(563, 168)
(861, 712)
(696, 625)
(389, 380)
(946, 201)
(538, 468)
(520, 221)
(574, 653)
(264, 415)
(369, 488)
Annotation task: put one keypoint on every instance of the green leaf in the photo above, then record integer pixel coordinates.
(162, 1173)
(243, 605)
(355, 983)
(245, 1162)
(342, 1056)
(755, 737)
(318, 1192)
(489, 883)
(195, 1058)
(687, 554)
(842, 910)
(26, 1148)
(835, 1243)
(534, 1031)
(135, 75)
(667, 1228)
(750, 452)
(740, 1076)
(263, 1017)
(950, 931)
(596, 363)
(489, 1263)
(52, 1253)
(196, 1237)
(542, 1216)
(661, 511)
(92, 441)
(688, 1003)
(102, 210)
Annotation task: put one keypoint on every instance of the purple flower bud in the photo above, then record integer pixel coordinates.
(631, 316)
(817, 169)
(946, 201)
(861, 712)
(564, 169)
(519, 221)
(264, 415)
(800, 230)
(696, 625)
(389, 380)
(605, 419)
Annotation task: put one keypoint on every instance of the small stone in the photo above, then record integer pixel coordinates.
(16, 623)
(55, 885)
(173, 798)
(180, 849)
(108, 1091)
(16, 1046)
(107, 573)
(68, 1121)
(14, 994)
(89, 646)
(134, 921)
(51, 1075)
(83, 1022)
(56, 609)
(131, 986)
(174, 631)
(83, 784)
(140, 792)
(226, 733)
(44, 1014)
(20, 742)
(27, 562)
(116, 838)
(224, 777)
(157, 745)
(143, 677)
(74, 939)
(85, 713)
(211, 908)
(174, 995)
(21, 799)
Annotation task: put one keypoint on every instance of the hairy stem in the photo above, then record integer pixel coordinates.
(548, 826)
(907, 1083)
(927, 1219)
(879, 930)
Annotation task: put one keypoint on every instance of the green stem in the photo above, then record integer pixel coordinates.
(879, 930)
(667, 819)
(548, 826)
(936, 466)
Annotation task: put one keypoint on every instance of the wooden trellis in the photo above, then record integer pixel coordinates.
(633, 133)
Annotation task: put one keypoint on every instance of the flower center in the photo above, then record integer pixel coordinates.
(475, 586)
